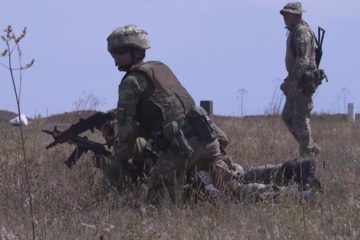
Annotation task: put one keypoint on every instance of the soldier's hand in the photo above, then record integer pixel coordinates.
(107, 130)
(288, 87)
(283, 88)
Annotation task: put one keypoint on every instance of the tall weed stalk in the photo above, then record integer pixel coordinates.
(12, 43)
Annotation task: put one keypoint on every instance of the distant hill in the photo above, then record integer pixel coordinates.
(69, 117)
(5, 116)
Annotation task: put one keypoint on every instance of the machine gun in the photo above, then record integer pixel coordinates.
(82, 144)
(94, 121)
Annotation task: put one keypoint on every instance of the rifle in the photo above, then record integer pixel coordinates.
(82, 144)
(318, 51)
(94, 121)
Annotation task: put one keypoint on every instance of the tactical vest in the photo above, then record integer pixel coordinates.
(168, 101)
(290, 58)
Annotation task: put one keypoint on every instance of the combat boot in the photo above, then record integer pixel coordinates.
(302, 172)
(316, 149)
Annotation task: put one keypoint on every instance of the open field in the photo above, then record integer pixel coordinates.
(78, 204)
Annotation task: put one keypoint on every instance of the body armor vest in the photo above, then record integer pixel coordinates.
(168, 101)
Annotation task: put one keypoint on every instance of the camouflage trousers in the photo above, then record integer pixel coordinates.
(138, 164)
(296, 116)
(267, 181)
(171, 167)
(219, 175)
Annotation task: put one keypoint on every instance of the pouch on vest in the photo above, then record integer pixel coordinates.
(173, 133)
(200, 123)
(312, 79)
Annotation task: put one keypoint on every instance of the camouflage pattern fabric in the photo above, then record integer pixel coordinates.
(171, 166)
(292, 7)
(139, 164)
(222, 137)
(127, 129)
(229, 179)
(296, 116)
(300, 51)
(300, 57)
(128, 36)
(266, 182)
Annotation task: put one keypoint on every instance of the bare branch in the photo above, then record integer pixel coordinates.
(5, 66)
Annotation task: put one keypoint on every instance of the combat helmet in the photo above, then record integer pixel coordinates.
(128, 36)
(292, 7)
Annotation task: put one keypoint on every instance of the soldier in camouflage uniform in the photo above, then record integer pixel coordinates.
(153, 104)
(300, 60)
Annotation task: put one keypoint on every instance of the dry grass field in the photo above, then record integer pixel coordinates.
(78, 203)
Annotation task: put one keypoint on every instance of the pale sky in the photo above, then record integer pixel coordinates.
(214, 47)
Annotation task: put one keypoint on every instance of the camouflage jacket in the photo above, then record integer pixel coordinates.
(126, 126)
(300, 51)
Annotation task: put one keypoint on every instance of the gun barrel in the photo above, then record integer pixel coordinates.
(52, 144)
(47, 131)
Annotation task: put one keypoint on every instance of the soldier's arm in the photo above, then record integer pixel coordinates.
(302, 44)
(126, 128)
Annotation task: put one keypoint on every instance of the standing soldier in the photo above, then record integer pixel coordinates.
(299, 86)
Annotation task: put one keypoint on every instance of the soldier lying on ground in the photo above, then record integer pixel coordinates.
(258, 183)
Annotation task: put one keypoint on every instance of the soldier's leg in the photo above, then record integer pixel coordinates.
(141, 161)
(303, 108)
(138, 164)
(201, 177)
(167, 171)
(266, 174)
(209, 156)
(110, 168)
(255, 192)
(300, 171)
(229, 179)
(288, 115)
(226, 176)
(171, 166)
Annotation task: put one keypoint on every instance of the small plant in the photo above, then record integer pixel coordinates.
(12, 43)
(88, 102)
(274, 107)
